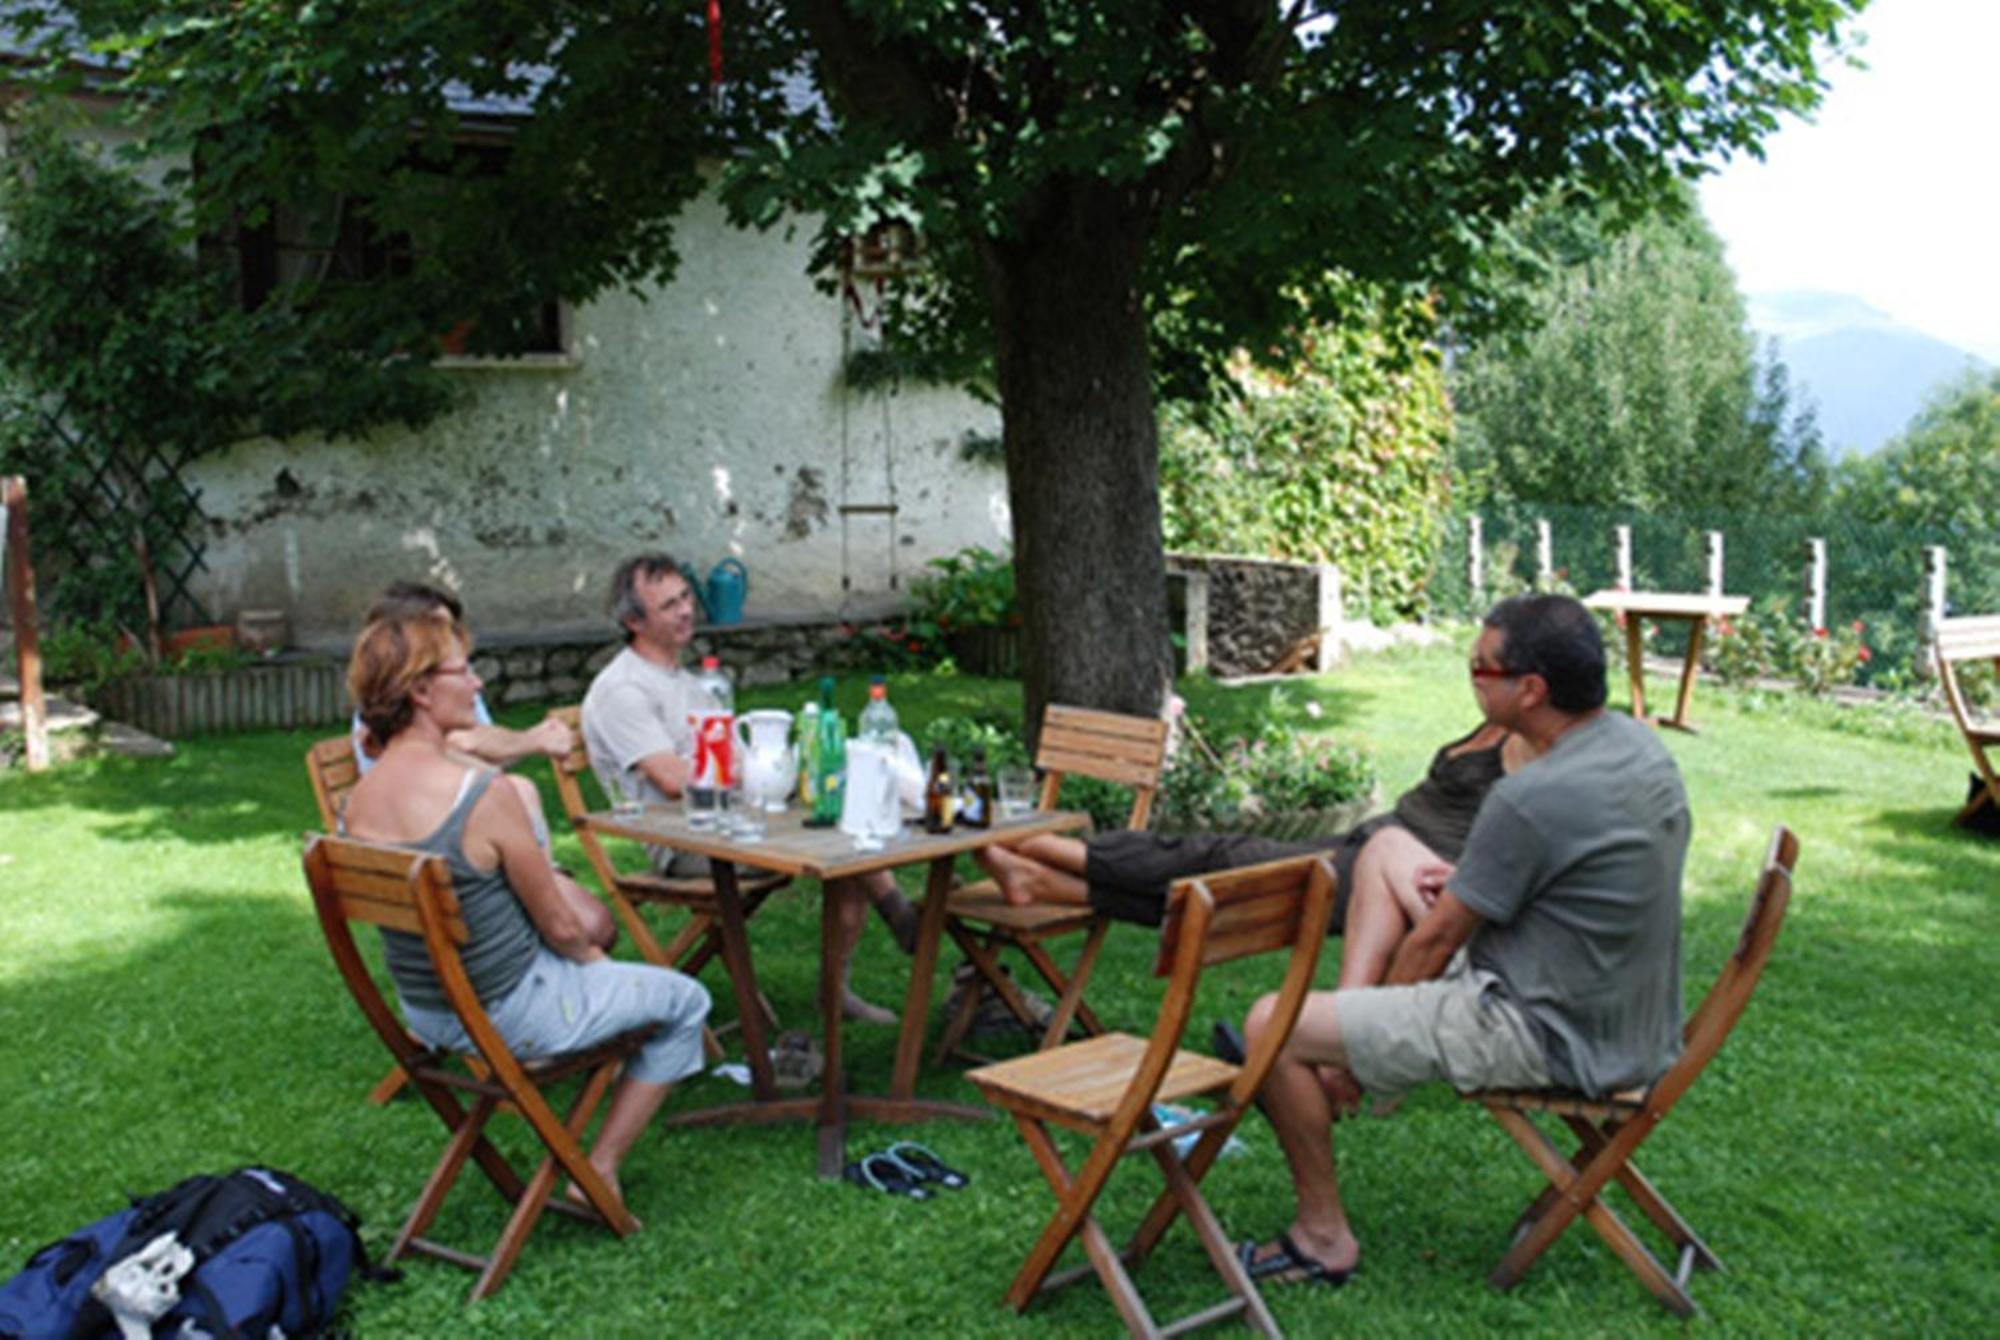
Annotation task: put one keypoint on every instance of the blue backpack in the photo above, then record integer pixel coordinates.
(269, 1250)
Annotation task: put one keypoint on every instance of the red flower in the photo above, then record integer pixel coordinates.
(914, 645)
(1726, 628)
(1857, 625)
(1863, 655)
(1819, 632)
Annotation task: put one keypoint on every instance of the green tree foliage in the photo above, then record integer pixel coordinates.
(1338, 459)
(124, 359)
(1939, 480)
(1636, 383)
(1075, 168)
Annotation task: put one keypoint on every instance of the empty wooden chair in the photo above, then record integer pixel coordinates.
(332, 767)
(1075, 741)
(1958, 641)
(408, 891)
(1610, 1130)
(699, 938)
(1104, 1088)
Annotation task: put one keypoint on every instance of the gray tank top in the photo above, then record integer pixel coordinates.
(501, 940)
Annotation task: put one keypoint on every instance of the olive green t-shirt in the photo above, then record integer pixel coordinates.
(1575, 865)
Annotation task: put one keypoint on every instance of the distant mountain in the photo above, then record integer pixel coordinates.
(1867, 375)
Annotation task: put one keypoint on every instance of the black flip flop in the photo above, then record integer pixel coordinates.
(1289, 1265)
(925, 1166)
(879, 1172)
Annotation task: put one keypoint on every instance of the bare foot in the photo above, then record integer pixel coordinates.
(574, 1194)
(1009, 871)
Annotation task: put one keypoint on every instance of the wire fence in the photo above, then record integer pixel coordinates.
(1876, 575)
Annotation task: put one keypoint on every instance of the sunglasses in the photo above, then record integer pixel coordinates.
(1493, 672)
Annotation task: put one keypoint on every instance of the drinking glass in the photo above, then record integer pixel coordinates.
(1017, 792)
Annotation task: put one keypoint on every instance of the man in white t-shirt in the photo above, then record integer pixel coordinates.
(635, 726)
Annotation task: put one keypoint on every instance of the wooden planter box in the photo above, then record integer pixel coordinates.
(258, 697)
(994, 652)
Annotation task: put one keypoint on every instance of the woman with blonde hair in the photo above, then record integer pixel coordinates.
(547, 985)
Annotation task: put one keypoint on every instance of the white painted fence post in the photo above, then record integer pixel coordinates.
(1545, 563)
(1713, 540)
(1622, 541)
(1816, 582)
(1475, 558)
(1332, 638)
(1934, 574)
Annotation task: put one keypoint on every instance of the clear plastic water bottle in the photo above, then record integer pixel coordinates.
(712, 723)
(878, 719)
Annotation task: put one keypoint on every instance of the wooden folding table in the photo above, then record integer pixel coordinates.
(1693, 610)
(826, 854)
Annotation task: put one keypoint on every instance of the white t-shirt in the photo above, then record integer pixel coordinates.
(636, 709)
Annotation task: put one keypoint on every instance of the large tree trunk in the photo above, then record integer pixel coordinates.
(1082, 454)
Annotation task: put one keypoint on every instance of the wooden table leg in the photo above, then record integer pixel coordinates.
(1679, 719)
(1635, 663)
(923, 966)
(743, 979)
(832, 1119)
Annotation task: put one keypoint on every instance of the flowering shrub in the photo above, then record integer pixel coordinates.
(1773, 645)
(1276, 772)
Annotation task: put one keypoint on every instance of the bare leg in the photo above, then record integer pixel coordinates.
(1377, 919)
(1303, 1119)
(852, 897)
(633, 1104)
(894, 909)
(1024, 877)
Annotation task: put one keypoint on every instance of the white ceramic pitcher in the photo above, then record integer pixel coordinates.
(770, 767)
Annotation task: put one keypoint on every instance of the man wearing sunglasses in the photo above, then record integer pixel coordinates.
(1551, 956)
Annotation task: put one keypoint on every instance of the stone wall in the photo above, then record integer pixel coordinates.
(1249, 615)
(558, 667)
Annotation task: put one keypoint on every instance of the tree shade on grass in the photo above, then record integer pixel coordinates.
(168, 1007)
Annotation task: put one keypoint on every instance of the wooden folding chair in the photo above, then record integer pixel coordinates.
(699, 938)
(1609, 1130)
(331, 766)
(1971, 639)
(401, 890)
(1105, 745)
(1105, 1088)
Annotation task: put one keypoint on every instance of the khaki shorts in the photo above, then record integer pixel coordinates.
(1457, 1028)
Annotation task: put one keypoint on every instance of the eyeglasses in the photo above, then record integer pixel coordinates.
(462, 668)
(1492, 672)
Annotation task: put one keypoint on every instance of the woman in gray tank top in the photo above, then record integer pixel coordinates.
(532, 955)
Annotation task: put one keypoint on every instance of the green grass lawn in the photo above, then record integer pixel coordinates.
(168, 1007)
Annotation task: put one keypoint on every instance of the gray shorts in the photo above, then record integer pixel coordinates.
(1458, 1028)
(565, 1006)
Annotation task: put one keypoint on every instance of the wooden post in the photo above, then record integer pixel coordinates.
(1475, 559)
(1816, 582)
(1332, 638)
(27, 634)
(1622, 542)
(1712, 541)
(1545, 558)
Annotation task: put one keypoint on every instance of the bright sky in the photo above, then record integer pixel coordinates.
(1891, 192)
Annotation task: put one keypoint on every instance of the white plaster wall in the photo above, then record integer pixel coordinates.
(706, 421)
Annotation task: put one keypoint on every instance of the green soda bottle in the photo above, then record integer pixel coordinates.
(831, 762)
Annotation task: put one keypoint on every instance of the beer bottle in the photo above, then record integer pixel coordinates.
(939, 802)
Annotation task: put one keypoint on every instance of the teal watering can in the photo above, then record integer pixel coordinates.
(728, 584)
